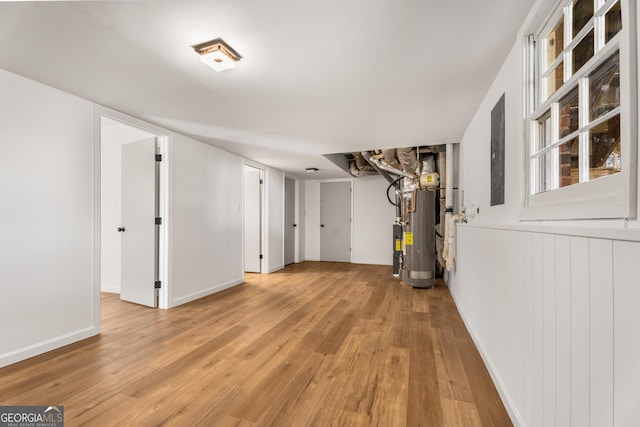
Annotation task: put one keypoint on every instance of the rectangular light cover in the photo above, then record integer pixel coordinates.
(218, 60)
(217, 54)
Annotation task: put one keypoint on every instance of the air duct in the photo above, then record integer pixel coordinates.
(381, 165)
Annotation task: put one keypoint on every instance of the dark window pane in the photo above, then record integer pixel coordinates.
(555, 80)
(604, 87)
(569, 159)
(583, 52)
(555, 42)
(569, 113)
(604, 149)
(582, 13)
(612, 22)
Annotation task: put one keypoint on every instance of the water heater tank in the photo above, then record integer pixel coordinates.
(419, 240)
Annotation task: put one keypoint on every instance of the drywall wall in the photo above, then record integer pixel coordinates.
(205, 220)
(49, 292)
(274, 190)
(552, 306)
(312, 220)
(477, 146)
(113, 135)
(373, 217)
(300, 221)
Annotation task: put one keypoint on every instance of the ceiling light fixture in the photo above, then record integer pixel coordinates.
(217, 54)
(311, 170)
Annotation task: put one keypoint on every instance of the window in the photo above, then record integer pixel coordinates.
(580, 109)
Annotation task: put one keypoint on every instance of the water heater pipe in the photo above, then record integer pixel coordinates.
(447, 254)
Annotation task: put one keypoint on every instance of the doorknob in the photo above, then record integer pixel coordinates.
(322, 225)
(121, 229)
(295, 225)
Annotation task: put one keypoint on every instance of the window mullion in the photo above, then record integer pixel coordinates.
(555, 131)
(599, 35)
(568, 53)
(583, 120)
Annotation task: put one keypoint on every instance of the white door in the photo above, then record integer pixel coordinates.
(289, 221)
(139, 234)
(252, 219)
(335, 221)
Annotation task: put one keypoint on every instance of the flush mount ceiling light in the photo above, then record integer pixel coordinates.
(217, 54)
(311, 170)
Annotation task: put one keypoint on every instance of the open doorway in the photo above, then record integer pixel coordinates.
(253, 197)
(131, 196)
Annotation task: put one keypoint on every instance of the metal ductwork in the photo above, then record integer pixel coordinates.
(408, 159)
(385, 167)
(358, 166)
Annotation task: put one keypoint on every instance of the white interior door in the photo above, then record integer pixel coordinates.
(139, 209)
(335, 221)
(289, 221)
(252, 219)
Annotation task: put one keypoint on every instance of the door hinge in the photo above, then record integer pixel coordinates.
(261, 181)
(260, 256)
(158, 284)
(158, 157)
(158, 221)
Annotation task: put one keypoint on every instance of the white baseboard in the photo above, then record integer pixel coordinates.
(371, 262)
(45, 346)
(110, 289)
(279, 267)
(197, 295)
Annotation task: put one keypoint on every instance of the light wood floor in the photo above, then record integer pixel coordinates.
(316, 344)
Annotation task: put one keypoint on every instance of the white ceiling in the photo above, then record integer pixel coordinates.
(317, 77)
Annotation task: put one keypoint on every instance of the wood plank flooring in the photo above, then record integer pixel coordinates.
(315, 344)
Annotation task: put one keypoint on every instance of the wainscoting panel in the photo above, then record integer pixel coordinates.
(556, 318)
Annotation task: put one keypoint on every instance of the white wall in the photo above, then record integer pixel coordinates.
(113, 135)
(373, 217)
(312, 220)
(274, 181)
(552, 306)
(47, 284)
(205, 223)
(300, 221)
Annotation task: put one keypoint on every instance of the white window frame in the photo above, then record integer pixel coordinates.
(613, 196)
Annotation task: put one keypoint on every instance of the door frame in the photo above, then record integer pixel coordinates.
(163, 138)
(263, 228)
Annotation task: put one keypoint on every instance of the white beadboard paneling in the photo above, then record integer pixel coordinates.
(579, 332)
(601, 332)
(549, 330)
(626, 294)
(526, 334)
(538, 330)
(563, 331)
